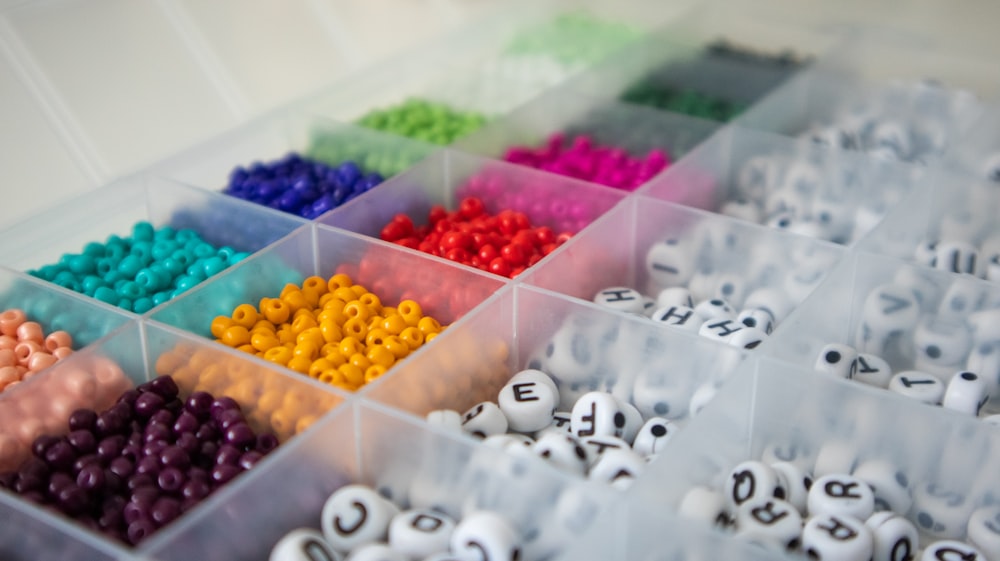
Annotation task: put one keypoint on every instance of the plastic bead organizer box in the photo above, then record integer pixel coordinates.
(769, 243)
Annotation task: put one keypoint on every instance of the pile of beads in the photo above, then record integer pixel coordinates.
(334, 331)
(384, 155)
(504, 244)
(424, 120)
(135, 467)
(142, 271)
(724, 49)
(685, 101)
(379, 529)
(581, 158)
(602, 437)
(25, 349)
(854, 515)
(299, 185)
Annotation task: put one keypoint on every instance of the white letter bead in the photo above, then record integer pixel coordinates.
(889, 310)
(355, 515)
(939, 513)
(598, 414)
(653, 436)
(942, 343)
(918, 385)
(748, 480)
(668, 263)
(769, 520)
(984, 531)
(872, 370)
(713, 309)
(794, 484)
(618, 467)
(841, 495)
(376, 552)
(720, 329)
(756, 318)
(446, 418)
(561, 422)
(705, 505)
(700, 398)
(836, 360)
(563, 451)
(505, 441)
(620, 298)
(889, 485)
(747, 338)
(528, 401)
(678, 316)
(485, 536)
(836, 538)
(894, 538)
(597, 445)
(966, 393)
(419, 533)
(956, 257)
(303, 544)
(674, 296)
(484, 419)
(951, 550)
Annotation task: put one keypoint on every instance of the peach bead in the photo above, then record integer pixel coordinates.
(270, 401)
(8, 375)
(9, 446)
(80, 384)
(25, 349)
(7, 342)
(283, 424)
(58, 340)
(7, 357)
(30, 331)
(304, 423)
(62, 352)
(10, 320)
(40, 361)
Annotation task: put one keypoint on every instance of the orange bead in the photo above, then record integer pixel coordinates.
(278, 355)
(7, 358)
(359, 290)
(24, 350)
(396, 346)
(354, 327)
(374, 322)
(220, 324)
(283, 424)
(245, 392)
(10, 320)
(331, 352)
(411, 312)
(336, 316)
(373, 373)
(312, 335)
(345, 294)
(262, 341)
(263, 325)
(355, 309)
(350, 346)
(247, 348)
(329, 301)
(332, 376)
(394, 324)
(380, 356)
(413, 337)
(330, 331)
(307, 349)
(389, 311)
(285, 335)
(428, 325)
(302, 323)
(62, 352)
(236, 335)
(359, 360)
(430, 337)
(304, 423)
(295, 300)
(30, 331)
(58, 339)
(7, 342)
(375, 337)
(269, 401)
(300, 364)
(353, 375)
(275, 310)
(319, 366)
(372, 301)
(339, 281)
(245, 315)
(315, 284)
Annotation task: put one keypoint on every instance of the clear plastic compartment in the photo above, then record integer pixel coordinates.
(831, 194)
(978, 152)
(772, 412)
(414, 466)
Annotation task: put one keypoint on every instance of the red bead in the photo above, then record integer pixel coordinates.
(499, 266)
(544, 235)
(488, 253)
(457, 254)
(471, 207)
(437, 213)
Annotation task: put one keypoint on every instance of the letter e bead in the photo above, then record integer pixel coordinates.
(528, 402)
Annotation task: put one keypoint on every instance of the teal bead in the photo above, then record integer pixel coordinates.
(197, 270)
(142, 250)
(172, 266)
(160, 297)
(131, 290)
(185, 282)
(63, 277)
(213, 266)
(183, 257)
(90, 284)
(113, 240)
(129, 266)
(185, 235)
(82, 264)
(112, 277)
(165, 233)
(152, 280)
(125, 304)
(107, 295)
(225, 252)
(93, 249)
(105, 265)
(47, 272)
(203, 250)
(142, 305)
(143, 231)
(115, 252)
(69, 283)
(237, 257)
(162, 249)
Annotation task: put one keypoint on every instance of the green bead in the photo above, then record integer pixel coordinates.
(106, 295)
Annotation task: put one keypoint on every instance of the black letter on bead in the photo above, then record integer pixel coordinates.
(521, 394)
(902, 550)
(670, 313)
(588, 419)
(751, 486)
(952, 554)
(839, 531)
(841, 490)
(724, 329)
(432, 523)
(362, 517)
(315, 551)
(766, 515)
(620, 295)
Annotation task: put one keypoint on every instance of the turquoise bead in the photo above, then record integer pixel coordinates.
(142, 250)
(237, 257)
(90, 284)
(185, 282)
(115, 252)
(197, 270)
(125, 304)
(130, 266)
(105, 265)
(172, 266)
(213, 266)
(82, 264)
(112, 277)
(225, 252)
(162, 249)
(185, 235)
(151, 280)
(107, 295)
(130, 290)
(165, 233)
(183, 257)
(63, 277)
(142, 305)
(160, 297)
(47, 272)
(93, 249)
(203, 250)
(143, 231)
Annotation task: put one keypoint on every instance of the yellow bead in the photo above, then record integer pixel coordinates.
(294, 298)
(286, 335)
(428, 325)
(270, 401)
(356, 310)
(396, 345)
(355, 328)
(359, 360)
(263, 325)
(413, 337)
(304, 423)
(410, 311)
(283, 424)
(314, 288)
(374, 322)
(353, 375)
(245, 315)
(331, 376)
(336, 315)
(375, 337)
(394, 324)
(312, 335)
(373, 372)
(350, 346)
(278, 355)
(262, 341)
(300, 364)
(219, 326)
(380, 356)
(331, 352)
(236, 335)
(359, 290)
(339, 281)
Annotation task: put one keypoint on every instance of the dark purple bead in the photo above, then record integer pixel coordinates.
(7, 479)
(135, 437)
(133, 511)
(147, 405)
(186, 422)
(154, 448)
(240, 435)
(196, 489)
(224, 403)
(111, 518)
(175, 456)
(91, 478)
(109, 423)
(157, 432)
(188, 442)
(60, 455)
(228, 455)
(266, 442)
(140, 480)
(140, 529)
(250, 459)
(171, 479)
(164, 417)
(83, 419)
(28, 483)
(72, 500)
(207, 433)
(148, 465)
(224, 473)
(122, 467)
(110, 447)
(175, 406)
(199, 474)
(83, 441)
(42, 443)
(34, 467)
(199, 404)
(129, 397)
(165, 387)
(113, 482)
(35, 496)
(145, 496)
(84, 461)
(57, 481)
(165, 510)
(228, 418)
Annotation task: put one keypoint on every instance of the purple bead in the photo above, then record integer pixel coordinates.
(188, 442)
(154, 448)
(240, 435)
(133, 511)
(42, 443)
(57, 481)
(147, 405)
(148, 465)
(224, 403)
(132, 451)
(129, 397)
(228, 418)
(109, 423)
(199, 474)
(60, 455)
(35, 497)
(72, 500)
(91, 478)
(7, 479)
(83, 419)
(163, 416)
(113, 482)
(165, 510)
(228, 455)
(28, 483)
(122, 467)
(145, 496)
(199, 404)
(186, 423)
(157, 432)
(111, 519)
(250, 459)
(171, 479)
(34, 467)
(87, 460)
(110, 447)
(139, 480)
(209, 449)
(82, 441)
(196, 489)
(139, 530)
(175, 456)
(266, 442)
(165, 387)
(224, 473)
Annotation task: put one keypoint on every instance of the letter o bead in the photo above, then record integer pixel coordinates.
(419, 533)
(356, 515)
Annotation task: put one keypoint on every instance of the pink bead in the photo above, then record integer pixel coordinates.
(10, 320)
(58, 339)
(40, 361)
(7, 357)
(7, 342)
(30, 331)
(62, 352)
(24, 350)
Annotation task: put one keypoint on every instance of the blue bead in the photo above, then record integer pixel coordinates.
(322, 205)
(349, 172)
(290, 201)
(143, 231)
(340, 194)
